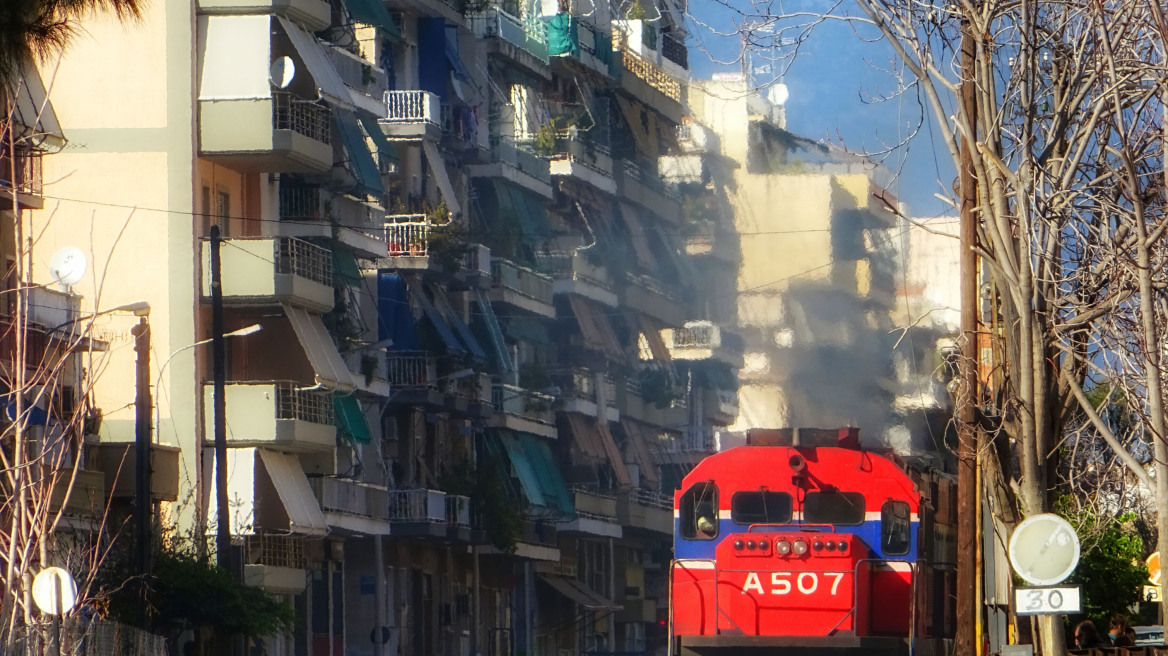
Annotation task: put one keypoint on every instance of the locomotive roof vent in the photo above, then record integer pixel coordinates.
(848, 437)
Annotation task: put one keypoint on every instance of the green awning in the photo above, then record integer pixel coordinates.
(385, 149)
(360, 161)
(345, 266)
(550, 478)
(523, 468)
(351, 419)
(528, 329)
(372, 12)
(563, 35)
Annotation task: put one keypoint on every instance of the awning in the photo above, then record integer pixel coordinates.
(35, 122)
(456, 66)
(351, 418)
(528, 329)
(615, 458)
(441, 177)
(523, 468)
(584, 433)
(395, 320)
(595, 328)
(495, 331)
(643, 124)
(637, 236)
(385, 149)
(235, 57)
(555, 490)
(653, 337)
(345, 266)
(359, 159)
(460, 327)
(563, 35)
(641, 453)
(328, 81)
(372, 12)
(418, 291)
(322, 353)
(287, 476)
(579, 593)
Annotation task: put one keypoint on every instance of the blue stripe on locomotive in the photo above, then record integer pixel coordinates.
(869, 532)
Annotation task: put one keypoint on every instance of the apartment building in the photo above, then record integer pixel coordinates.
(458, 424)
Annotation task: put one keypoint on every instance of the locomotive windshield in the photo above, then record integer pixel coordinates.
(894, 528)
(698, 512)
(836, 508)
(761, 507)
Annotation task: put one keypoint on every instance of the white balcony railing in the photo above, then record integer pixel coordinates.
(412, 107)
(458, 510)
(419, 505)
(410, 369)
(408, 235)
(350, 497)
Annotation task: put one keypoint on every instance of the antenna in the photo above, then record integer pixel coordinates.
(67, 266)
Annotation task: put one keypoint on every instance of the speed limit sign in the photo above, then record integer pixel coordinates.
(1046, 600)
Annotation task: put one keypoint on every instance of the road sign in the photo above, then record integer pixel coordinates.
(1046, 600)
(54, 591)
(1152, 593)
(1044, 549)
(1154, 571)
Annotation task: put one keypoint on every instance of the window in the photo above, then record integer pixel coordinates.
(837, 508)
(698, 512)
(895, 524)
(223, 212)
(761, 507)
(208, 212)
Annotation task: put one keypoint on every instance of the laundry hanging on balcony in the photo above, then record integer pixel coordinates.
(563, 36)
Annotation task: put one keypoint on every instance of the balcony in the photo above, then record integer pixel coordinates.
(704, 340)
(585, 161)
(520, 288)
(634, 405)
(517, 165)
(651, 85)
(308, 211)
(647, 510)
(277, 415)
(595, 44)
(675, 51)
(695, 138)
(645, 187)
(313, 14)
(689, 448)
(458, 518)
(524, 42)
(596, 514)
(352, 506)
(407, 238)
(574, 274)
(523, 410)
(118, 461)
(275, 563)
(269, 271)
(584, 391)
(51, 308)
(78, 492)
(280, 134)
(413, 377)
(412, 115)
(418, 513)
(683, 169)
(29, 179)
(645, 40)
(648, 296)
(363, 76)
(720, 406)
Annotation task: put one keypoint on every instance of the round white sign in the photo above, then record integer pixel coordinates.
(54, 591)
(1044, 549)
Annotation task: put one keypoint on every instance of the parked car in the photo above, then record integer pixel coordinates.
(1149, 635)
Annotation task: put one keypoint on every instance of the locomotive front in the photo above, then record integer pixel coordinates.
(789, 542)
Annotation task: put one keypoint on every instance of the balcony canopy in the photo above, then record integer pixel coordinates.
(300, 504)
(326, 361)
(34, 121)
(328, 81)
(579, 593)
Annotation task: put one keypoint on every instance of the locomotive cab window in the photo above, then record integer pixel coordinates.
(836, 508)
(895, 526)
(760, 507)
(698, 512)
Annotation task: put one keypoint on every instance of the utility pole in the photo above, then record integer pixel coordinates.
(143, 408)
(967, 395)
(219, 375)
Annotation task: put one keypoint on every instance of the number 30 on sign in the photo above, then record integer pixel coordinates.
(1040, 600)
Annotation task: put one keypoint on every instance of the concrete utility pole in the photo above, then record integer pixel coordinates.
(967, 433)
(143, 408)
(219, 375)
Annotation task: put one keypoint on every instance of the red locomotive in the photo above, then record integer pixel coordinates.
(802, 542)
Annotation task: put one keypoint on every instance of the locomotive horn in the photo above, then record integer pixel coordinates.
(797, 463)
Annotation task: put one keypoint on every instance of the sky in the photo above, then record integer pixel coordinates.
(833, 86)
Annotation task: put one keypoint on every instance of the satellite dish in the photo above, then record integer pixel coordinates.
(54, 591)
(1044, 549)
(281, 72)
(67, 266)
(778, 94)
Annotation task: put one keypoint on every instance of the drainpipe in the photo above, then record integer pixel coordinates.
(378, 598)
(612, 593)
(476, 624)
(528, 611)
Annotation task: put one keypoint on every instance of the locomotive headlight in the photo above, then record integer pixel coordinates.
(817, 545)
(843, 546)
(830, 545)
(738, 545)
(750, 545)
(800, 547)
(763, 545)
(782, 547)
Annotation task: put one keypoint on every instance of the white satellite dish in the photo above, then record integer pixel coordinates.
(281, 72)
(778, 94)
(1044, 549)
(67, 266)
(54, 591)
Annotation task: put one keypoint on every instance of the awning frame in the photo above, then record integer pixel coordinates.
(303, 510)
(327, 364)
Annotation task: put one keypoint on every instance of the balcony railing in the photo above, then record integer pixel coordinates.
(356, 71)
(28, 171)
(412, 107)
(350, 497)
(651, 179)
(274, 551)
(520, 402)
(300, 202)
(458, 511)
(522, 281)
(529, 35)
(655, 77)
(651, 499)
(408, 235)
(419, 505)
(412, 370)
(301, 116)
(705, 335)
(312, 406)
(593, 504)
(522, 159)
(675, 51)
(304, 259)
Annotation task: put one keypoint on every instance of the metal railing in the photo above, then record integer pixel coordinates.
(524, 160)
(412, 107)
(697, 334)
(304, 117)
(274, 551)
(652, 179)
(356, 71)
(655, 77)
(300, 201)
(29, 176)
(593, 504)
(675, 51)
(348, 497)
(521, 280)
(520, 402)
(410, 369)
(529, 35)
(304, 405)
(419, 505)
(82, 637)
(408, 235)
(307, 260)
(651, 499)
(458, 510)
